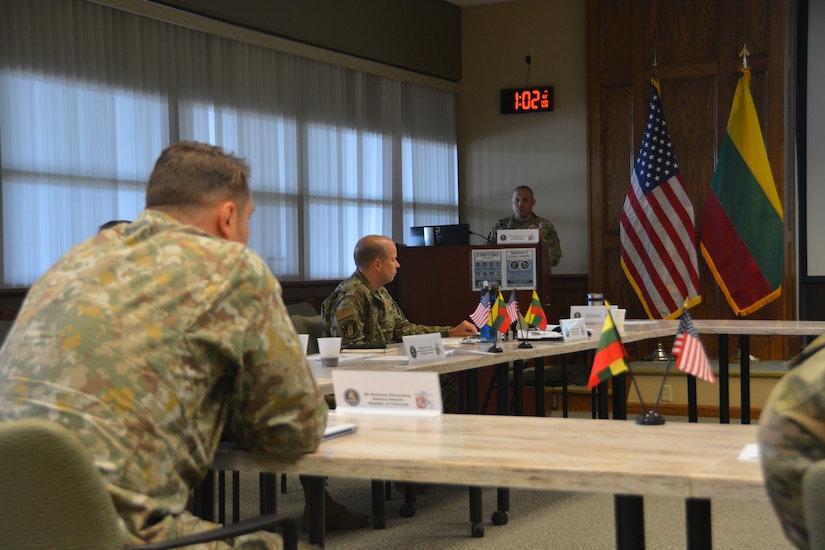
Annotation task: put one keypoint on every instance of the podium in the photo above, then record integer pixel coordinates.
(434, 285)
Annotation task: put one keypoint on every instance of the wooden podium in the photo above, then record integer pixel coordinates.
(434, 285)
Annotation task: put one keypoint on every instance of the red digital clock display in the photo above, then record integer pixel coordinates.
(527, 100)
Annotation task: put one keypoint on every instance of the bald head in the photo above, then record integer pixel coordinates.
(371, 247)
(376, 258)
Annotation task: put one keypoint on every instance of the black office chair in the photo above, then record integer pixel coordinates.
(55, 498)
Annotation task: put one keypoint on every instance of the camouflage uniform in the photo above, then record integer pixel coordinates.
(148, 341)
(550, 237)
(361, 315)
(792, 436)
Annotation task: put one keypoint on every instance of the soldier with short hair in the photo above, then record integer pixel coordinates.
(153, 338)
(361, 311)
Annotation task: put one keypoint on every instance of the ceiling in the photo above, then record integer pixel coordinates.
(474, 2)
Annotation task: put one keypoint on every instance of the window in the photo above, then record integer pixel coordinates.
(90, 95)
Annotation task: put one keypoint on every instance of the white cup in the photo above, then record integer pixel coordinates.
(329, 348)
(304, 338)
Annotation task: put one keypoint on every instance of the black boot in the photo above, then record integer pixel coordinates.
(336, 515)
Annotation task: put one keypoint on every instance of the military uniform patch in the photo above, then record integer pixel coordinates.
(349, 328)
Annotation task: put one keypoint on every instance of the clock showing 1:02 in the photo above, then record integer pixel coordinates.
(534, 99)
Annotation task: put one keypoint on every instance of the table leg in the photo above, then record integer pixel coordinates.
(619, 397)
(476, 528)
(630, 522)
(378, 505)
(316, 510)
(745, 377)
(503, 408)
(724, 381)
(268, 493)
(540, 408)
(518, 387)
(698, 524)
(205, 497)
(693, 409)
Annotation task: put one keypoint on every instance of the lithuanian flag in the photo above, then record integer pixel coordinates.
(610, 356)
(743, 221)
(499, 317)
(535, 314)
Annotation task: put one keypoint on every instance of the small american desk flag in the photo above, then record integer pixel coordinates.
(481, 315)
(689, 351)
(512, 307)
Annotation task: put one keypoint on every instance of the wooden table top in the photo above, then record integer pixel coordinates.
(634, 330)
(605, 456)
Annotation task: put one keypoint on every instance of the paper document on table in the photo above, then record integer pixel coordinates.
(346, 358)
(750, 453)
(540, 334)
(331, 432)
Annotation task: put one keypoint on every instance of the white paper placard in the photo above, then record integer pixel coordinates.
(423, 348)
(517, 236)
(593, 315)
(573, 329)
(387, 393)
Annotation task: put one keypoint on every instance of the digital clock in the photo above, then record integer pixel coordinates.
(527, 100)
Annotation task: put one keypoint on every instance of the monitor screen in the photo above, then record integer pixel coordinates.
(429, 235)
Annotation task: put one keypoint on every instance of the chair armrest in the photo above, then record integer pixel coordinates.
(286, 527)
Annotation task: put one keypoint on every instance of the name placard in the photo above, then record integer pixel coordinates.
(573, 329)
(423, 348)
(387, 393)
(517, 236)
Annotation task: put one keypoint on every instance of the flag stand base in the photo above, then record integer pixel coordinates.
(650, 418)
(736, 357)
(524, 345)
(494, 349)
(658, 354)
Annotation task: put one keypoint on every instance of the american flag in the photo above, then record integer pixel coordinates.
(657, 233)
(512, 307)
(689, 351)
(482, 313)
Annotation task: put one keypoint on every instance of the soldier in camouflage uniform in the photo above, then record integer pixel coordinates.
(792, 436)
(152, 338)
(361, 311)
(524, 218)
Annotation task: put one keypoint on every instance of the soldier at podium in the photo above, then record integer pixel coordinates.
(361, 311)
(524, 218)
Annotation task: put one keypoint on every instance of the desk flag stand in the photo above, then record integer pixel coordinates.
(520, 326)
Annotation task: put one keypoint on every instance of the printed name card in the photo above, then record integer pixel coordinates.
(573, 329)
(517, 236)
(423, 348)
(387, 393)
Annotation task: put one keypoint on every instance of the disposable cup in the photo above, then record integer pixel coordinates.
(329, 348)
(304, 338)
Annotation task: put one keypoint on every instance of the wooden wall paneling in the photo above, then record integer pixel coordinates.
(696, 45)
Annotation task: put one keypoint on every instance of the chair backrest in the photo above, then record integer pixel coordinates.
(813, 504)
(301, 308)
(312, 325)
(52, 494)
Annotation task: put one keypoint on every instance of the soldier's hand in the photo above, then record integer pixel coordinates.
(465, 328)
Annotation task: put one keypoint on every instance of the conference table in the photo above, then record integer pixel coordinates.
(469, 358)
(690, 461)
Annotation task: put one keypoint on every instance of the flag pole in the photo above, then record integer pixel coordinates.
(523, 343)
(495, 348)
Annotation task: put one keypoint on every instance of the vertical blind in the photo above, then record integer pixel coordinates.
(90, 95)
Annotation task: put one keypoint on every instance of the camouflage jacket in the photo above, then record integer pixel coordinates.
(550, 237)
(361, 315)
(792, 436)
(148, 340)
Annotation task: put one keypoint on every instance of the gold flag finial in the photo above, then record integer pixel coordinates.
(744, 55)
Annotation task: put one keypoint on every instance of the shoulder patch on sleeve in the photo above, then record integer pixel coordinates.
(343, 313)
